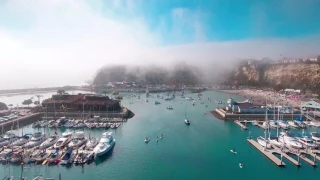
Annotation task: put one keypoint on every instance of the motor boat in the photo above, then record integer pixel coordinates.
(293, 124)
(49, 142)
(307, 142)
(64, 140)
(274, 124)
(156, 102)
(290, 140)
(274, 141)
(283, 124)
(21, 141)
(105, 144)
(316, 137)
(91, 143)
(36, 139)
(187, 121)
(169, 107)
(8, 138)
(6, 155)
(68, 157)
(315, 123)
(263, 142)
(254, 122)
(78, 140)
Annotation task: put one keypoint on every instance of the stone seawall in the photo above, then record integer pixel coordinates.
(21, 121)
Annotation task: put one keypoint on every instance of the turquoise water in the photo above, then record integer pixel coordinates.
(198, 151)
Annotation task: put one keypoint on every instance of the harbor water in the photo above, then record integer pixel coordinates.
(198, 151)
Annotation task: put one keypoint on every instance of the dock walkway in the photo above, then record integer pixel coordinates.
(267, 153)
(241, 125)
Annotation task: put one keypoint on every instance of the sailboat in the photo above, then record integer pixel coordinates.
(186, 120)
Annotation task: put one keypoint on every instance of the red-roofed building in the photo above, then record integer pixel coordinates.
(81, 102)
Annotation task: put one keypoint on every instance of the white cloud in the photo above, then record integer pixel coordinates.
(65, 42)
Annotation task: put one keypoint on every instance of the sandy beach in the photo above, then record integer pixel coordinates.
(259, 97)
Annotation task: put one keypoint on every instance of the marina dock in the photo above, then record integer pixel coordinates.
(293, 161)
(267, 153)
(241, 125)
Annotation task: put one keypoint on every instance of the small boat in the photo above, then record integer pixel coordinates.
(240, 165)
(254, 122)
(315, 124)
(301, 124)
(36, 139)
(233, 151)
(263, 142)
(78, 140)
(84, 157)
(283, 124)
(55, 157)
(91, 143)
(42, 156)
(156, 102)
(49, 142)
(16, 157)
(289, 140)
(307, 141)
(274, 124)
(106, 143)
(147, 140)
(316, 137)
(64, 140)
(6, 155)
(265, 125)
(186, 121)
(169, 107)
(146, 100)
(68, 157)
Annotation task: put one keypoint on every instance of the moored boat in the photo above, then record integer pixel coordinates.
(36, 139)
(64, 140)
(78, 140)
(316, 137)
(105, 145)
(263, 142)
(49, 142)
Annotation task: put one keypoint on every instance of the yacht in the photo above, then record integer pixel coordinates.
(21, 141)
(308, 142)
(301, 124)
(36, 139)
(91, 143)
(315, 123)
(106, 143)
(289, 140)
(263, 142)
(49, 142)
(293, 124)
(84, 157)
(55, 157)
(274, 141)
(78, 140)
(274, 124)
(8, 138)
(64, 140)
(283, 124)
(42, 156)
(316, 137)
(68, 156)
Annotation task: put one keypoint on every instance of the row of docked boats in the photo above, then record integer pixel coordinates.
(287, 139)
(283, 124)
(54, 149)
(74, 124)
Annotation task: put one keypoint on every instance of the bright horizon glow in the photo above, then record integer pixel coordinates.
(64, 42)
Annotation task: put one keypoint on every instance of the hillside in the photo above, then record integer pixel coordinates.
(295, 75)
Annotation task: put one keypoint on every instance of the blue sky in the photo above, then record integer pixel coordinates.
(49, 40)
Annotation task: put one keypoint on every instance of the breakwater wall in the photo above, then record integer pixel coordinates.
(19, 122)
(221, 114)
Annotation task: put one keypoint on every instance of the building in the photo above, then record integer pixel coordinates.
(81, 102)
(310, 105)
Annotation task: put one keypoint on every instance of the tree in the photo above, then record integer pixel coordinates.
(61, 91)
(318, 59)
(36, 102)
(27, 102)
(3, 106)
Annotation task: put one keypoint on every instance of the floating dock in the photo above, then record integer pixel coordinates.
(285, 155)
(307, 160)
(268, 153)
(241, 125)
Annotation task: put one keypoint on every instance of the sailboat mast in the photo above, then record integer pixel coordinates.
(265, 132)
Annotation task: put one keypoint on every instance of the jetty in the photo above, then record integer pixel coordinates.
(21, 121)
(267, 153)
(241, 125)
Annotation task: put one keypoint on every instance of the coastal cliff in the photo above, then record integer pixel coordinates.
(294, 75)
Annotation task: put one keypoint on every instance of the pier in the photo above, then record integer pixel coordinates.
(267, 153)
(241, 125)
(21, 121)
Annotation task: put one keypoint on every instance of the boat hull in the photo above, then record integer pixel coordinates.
(106, 150)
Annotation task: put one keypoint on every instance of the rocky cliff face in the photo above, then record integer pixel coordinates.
(298, 75)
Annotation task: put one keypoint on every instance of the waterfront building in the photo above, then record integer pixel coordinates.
(310, 105)
(80, 102)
